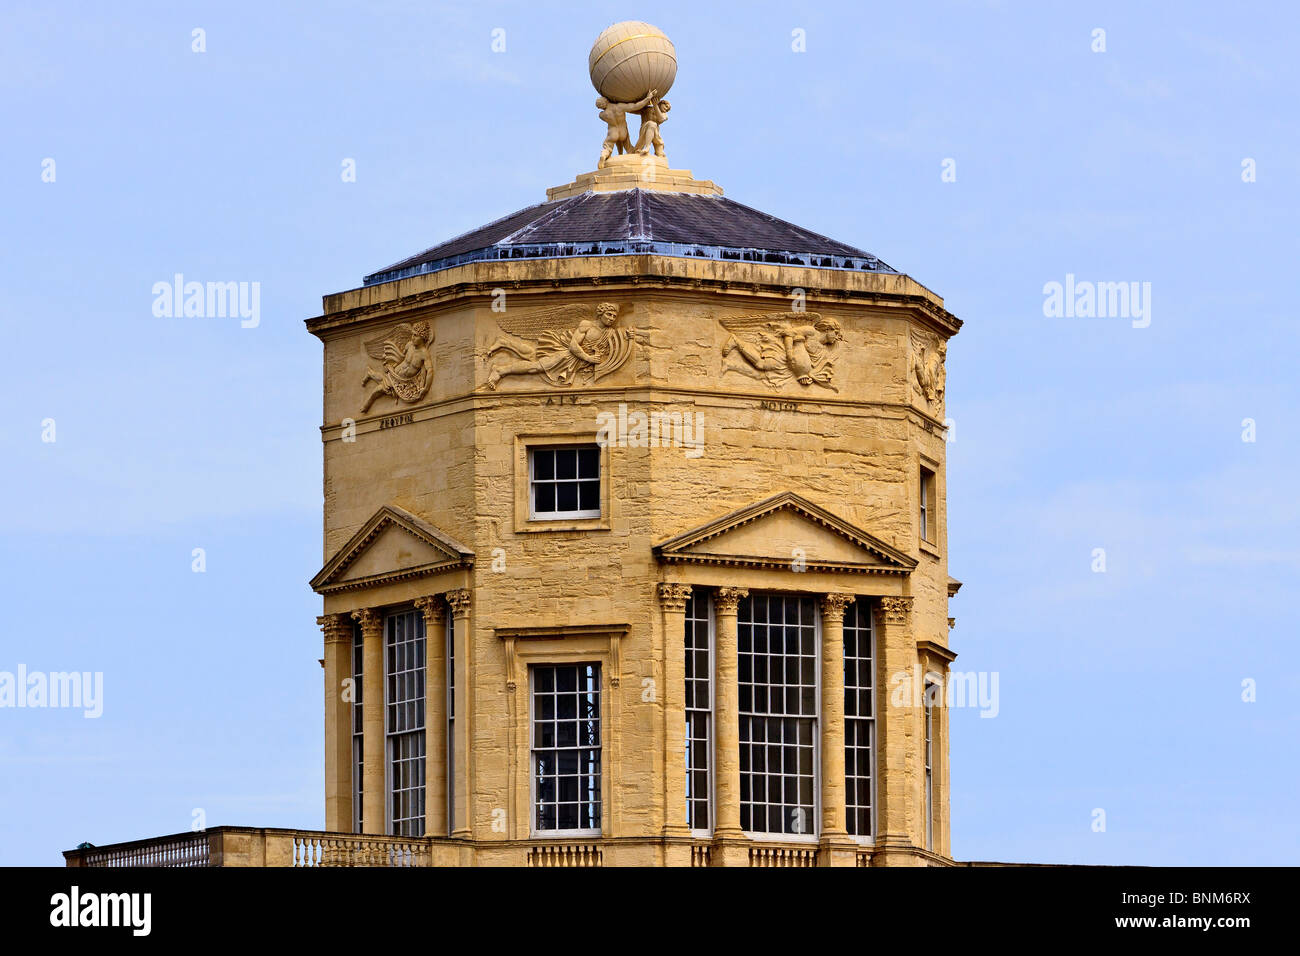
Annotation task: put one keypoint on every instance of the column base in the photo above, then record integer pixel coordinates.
(899, 851)
(730, 851)
(837, 850)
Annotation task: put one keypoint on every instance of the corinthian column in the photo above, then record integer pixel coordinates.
(338, 722)
(672, 710)
(374, 819)
(837, 848)
(435, 714)
(896, 748)
(460, 601)
(726, 748)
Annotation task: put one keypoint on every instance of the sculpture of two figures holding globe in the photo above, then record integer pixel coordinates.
(632, 65)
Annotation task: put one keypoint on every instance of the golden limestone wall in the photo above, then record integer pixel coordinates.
(850, 438)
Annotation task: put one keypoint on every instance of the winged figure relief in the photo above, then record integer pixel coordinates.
(563, 344)
(406, 365)
(930, 377)
(778, 346)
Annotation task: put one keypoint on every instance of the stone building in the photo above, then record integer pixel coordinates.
(644, 521)
(635, 545)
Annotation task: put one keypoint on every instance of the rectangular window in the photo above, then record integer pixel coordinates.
(927, 504)
(699, 712)
(931, 692)
(566, 748)
(859, 718)
(777, 641)
(404, 677)
(358, 727)
(564, 482)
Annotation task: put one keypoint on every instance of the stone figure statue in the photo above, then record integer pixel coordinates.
(562, 344)
(407, 365)
(615, 117)
(652, 117)
(779, 346)
(928, 371)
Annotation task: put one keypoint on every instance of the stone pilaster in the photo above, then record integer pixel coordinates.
(337, 629)
(730, 848)
(374, 818)
(461, 601)
(434, 609)
(837, 849)
(672, 711)
(896, 744)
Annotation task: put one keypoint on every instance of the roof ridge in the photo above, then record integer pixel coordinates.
(467, 232)
(643, 229)
(562, 208)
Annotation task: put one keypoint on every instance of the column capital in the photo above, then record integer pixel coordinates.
(727, 600)
(895, 609)
(337, 628)
(460, 600)
(369, 618)
(673, 596)
(433, 606)
(834, 605)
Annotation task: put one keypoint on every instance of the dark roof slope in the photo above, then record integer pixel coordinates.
(637, 221)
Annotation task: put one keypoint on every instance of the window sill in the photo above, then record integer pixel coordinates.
(563, 524)
(929, 548)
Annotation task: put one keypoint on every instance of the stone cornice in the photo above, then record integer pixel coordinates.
(562, 631)
(327, 580)
(634, 392)
(935, 649)
(481, 279)
(891, 560)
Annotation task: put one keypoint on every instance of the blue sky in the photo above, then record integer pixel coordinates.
(1119, 690)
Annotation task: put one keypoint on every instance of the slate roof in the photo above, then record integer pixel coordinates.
(637, 221)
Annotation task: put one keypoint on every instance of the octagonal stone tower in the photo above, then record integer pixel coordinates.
(635, 540)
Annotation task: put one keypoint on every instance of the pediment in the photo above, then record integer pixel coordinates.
(391, 546)
(773, 533)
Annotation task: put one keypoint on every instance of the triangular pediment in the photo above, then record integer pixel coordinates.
(780, 531)
(393, 545)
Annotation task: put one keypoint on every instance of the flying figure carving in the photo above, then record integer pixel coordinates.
(562, 344)
(407, 368)
(929, 372)
(779, 346)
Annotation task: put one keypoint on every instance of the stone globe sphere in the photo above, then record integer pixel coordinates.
(630, 59)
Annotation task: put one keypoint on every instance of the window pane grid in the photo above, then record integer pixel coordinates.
(404, 674)
(565, 482)
(778, 688)
(859, 717)
(699, 712)
(566, 747)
